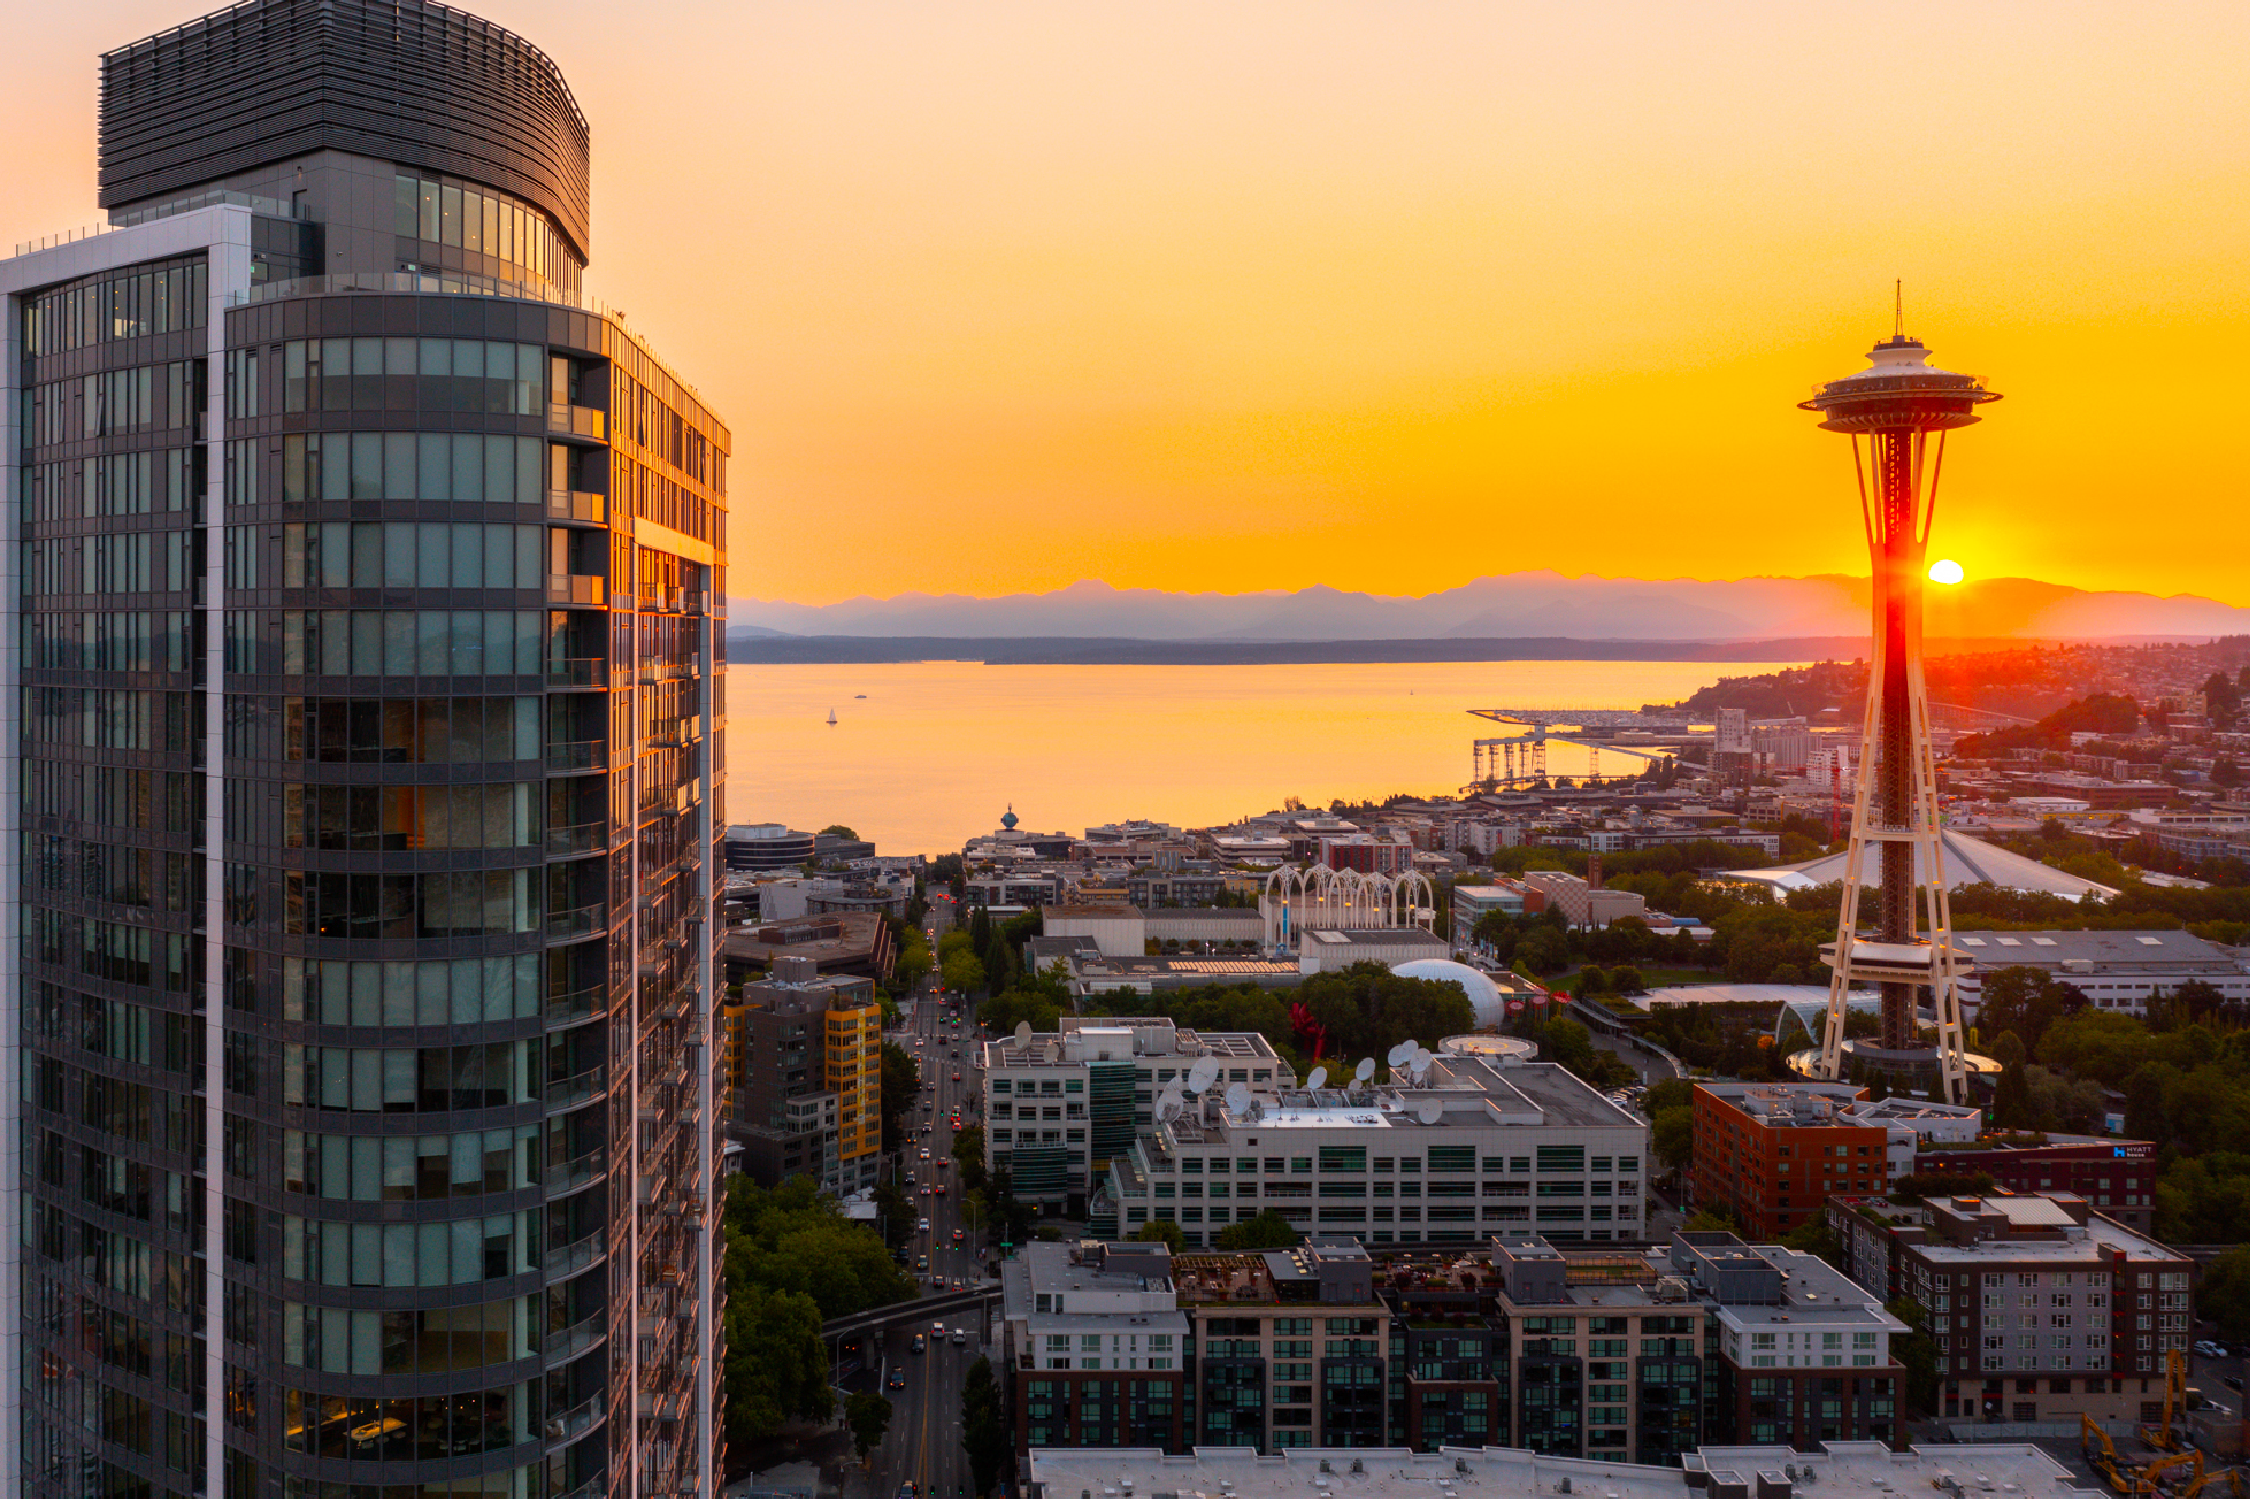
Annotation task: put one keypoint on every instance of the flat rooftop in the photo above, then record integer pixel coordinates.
(1848, 1470)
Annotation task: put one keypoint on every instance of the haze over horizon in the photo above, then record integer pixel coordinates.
(1538, 604)
(1390, 298)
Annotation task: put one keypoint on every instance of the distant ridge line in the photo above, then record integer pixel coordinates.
(1069, 650)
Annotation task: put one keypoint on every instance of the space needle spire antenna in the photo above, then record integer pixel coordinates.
(1891, 411)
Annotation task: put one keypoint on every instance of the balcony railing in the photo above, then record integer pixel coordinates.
(577, 1005)
(584, 838)
(579, 671)
(577, 754)
(578, 421)
(564, 1426)
(577, 504)
(574, 588)
(580, 922)
(570, 1258)
(573, 1091)
(571, 1341)
(571, 1175)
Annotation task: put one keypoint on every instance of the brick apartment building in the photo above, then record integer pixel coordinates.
(1773, 1153)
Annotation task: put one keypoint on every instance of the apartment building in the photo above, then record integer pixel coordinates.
(327, 490)
(1059, 1107)
(1287, 1349)
(1095, 1347)
(1804, 1355)
(2043, 1309)
(1606, 1354)
(1467, 1147)
(1774, 1152)
(803, 1053)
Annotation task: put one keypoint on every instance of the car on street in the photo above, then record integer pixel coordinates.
(2210, 1349)
(957, 1236)
(925, 1225)
(921, 1344)
(897, 1381)
(939, 1189)
(960, 1336)
(922, 1263)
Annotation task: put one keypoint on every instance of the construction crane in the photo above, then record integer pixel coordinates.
(1521, 759)
(2124, 1478)
(2161, 1435)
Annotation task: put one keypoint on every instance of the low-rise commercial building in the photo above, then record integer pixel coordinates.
(2115, 970)
(1059, 1107)
(2042, 1308)
(1581, 904)
(1468, 1147)
(1330, 950)
(755, 846)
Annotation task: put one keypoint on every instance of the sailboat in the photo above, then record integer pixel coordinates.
(832, 718)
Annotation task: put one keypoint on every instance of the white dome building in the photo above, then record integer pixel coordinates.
(1485, 1001)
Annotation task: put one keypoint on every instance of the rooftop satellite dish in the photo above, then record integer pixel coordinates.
(1168, 1102)
(1023, 1033)
(1364, 1071)
(1201, 1075)
(1238, 1097)
(1402, 1051)
(1431, 1111)
(1319, 1076)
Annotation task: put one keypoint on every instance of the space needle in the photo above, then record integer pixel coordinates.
(1897, 413)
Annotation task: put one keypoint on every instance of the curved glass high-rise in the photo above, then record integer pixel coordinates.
(363, 779)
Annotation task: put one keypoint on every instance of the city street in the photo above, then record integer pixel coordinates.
(923, 1445)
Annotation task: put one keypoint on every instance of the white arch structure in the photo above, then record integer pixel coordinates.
(1324, 899)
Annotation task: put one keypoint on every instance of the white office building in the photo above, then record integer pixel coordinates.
(1470, 1146)
(1059, 1106)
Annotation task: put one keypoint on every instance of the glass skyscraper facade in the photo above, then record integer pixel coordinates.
(363, 777)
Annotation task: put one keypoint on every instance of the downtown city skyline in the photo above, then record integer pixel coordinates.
(1216, 301)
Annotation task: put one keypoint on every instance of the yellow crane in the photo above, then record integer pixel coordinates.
(2161, 1436)
(2142, 1481)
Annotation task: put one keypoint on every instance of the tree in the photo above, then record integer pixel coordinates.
(1711, 1218)
(776, 1366)
(1814, 1236)
(1672, 1136)
(1269, 1230)
(902, 1085)
(1162, 1231)
(838, 830)
(869, 1416)
(1627, 980)
(2222, 1293)
(962, 972)
(2026, 1001)
(968, 1154)
(984, 1438)
(1917, 1352)
(2011, 1094)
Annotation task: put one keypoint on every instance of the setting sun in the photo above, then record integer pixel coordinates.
(1946, 570)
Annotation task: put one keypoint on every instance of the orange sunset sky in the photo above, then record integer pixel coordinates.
(1243, 294)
